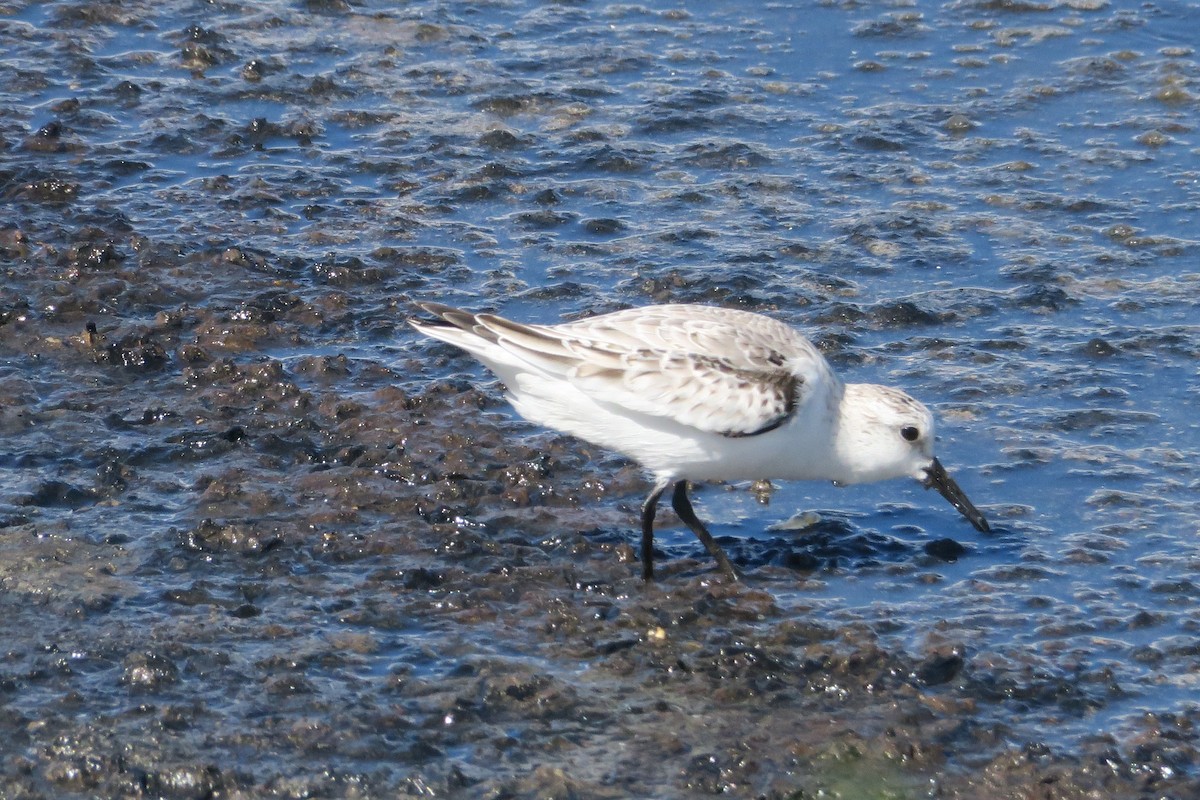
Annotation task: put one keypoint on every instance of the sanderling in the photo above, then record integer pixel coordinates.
(701, 393)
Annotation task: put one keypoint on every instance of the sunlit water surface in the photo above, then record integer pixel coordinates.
(990, 205)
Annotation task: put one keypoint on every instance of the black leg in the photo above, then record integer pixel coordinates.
(648, 509)
(683, 507)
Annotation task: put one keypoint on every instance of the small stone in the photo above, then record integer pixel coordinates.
(945, 549)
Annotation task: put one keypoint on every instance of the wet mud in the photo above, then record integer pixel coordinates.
(258, 539)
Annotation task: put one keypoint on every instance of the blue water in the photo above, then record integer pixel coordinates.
(1025, 180)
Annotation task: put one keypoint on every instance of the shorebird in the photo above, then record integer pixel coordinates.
(700, 393)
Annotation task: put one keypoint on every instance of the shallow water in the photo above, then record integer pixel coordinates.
(259, 538)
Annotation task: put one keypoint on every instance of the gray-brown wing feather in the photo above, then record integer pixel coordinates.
(710, 372)
(706, 392)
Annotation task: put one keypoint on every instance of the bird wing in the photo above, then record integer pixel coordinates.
(721, 371)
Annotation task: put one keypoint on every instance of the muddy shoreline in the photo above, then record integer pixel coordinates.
(258, 539)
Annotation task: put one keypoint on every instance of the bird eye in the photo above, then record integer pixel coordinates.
(910, 433)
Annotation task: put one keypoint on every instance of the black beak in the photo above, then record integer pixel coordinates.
(936, 478)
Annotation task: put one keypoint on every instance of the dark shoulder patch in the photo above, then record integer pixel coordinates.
(786, 388)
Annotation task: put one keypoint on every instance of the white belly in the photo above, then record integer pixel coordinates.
(794, 451)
